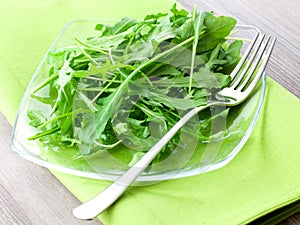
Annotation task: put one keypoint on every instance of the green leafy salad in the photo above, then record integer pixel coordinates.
(130, 83)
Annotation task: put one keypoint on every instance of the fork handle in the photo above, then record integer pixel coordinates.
(102, 201)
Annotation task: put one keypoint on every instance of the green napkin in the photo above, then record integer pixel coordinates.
(264, 176)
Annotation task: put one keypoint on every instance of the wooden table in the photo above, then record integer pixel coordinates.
(31, 195)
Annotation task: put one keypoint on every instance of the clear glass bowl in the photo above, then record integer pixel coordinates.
(239, 124)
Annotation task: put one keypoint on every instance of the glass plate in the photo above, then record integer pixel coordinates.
(108, 166)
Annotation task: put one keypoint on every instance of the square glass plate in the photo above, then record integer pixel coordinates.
(206, 156)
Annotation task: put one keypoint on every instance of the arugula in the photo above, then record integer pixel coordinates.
(131, 83)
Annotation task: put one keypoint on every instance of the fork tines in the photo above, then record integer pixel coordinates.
(253, 63)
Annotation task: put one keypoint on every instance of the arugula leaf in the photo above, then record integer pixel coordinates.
(217, 28)
(179, 17)
(123, 25)
(36, 117)
(232, 56)
(163, 31)
(210, 80)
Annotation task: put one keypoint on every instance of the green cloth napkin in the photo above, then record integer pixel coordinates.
(264, 176)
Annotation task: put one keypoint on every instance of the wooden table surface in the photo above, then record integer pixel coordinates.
(25, 200)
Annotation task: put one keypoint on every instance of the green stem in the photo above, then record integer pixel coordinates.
(194, 46)
(103, 90)
(238, 39)
(145, 109)
(45, 82)
(85, 53)
(97, 89)
(100, 79)
(108, 146)
(91, 47)
(87, 101)
(54, 119)
(45, 133)
(111, 57)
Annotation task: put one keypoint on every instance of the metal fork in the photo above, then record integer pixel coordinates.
(244, 78)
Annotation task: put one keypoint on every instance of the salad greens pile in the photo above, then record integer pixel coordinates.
(132, 82)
